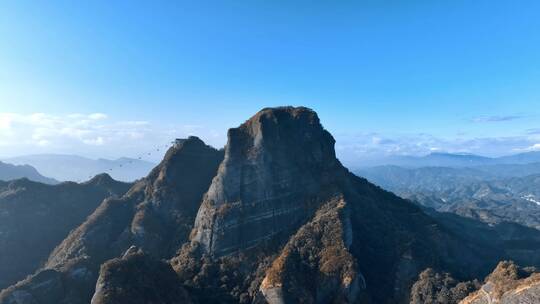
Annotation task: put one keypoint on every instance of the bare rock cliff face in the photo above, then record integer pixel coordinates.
(284, 222)
(275, 165)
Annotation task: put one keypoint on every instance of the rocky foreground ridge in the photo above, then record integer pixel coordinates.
(272, 218)
(36, 217)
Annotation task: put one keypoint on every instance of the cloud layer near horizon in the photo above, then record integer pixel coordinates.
(98, 135)
(362, 147)
(94, 135)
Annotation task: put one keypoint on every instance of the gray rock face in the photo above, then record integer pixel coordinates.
(508, 284)
(526, 295)
(275, 163)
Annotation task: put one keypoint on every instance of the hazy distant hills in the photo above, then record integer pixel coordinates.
(35, 217)
(491, 193)
(78, 168)
(396, 178)
(455, 160)
(10, 172)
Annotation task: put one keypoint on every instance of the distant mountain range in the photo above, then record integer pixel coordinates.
(455, 160)
(10, 172)
(77, 168)
(491, 193)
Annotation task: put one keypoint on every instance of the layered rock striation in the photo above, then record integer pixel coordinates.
(276, 164)
(301, 228)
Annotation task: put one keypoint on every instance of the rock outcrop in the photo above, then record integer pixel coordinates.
(316, 266)
(137, 278)
(508, 284)
(35, 217)
(275, 166)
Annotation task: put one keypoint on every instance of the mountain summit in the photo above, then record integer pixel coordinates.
(275, 163)
(274, 218)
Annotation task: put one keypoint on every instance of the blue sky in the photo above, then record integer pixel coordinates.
(386, 77)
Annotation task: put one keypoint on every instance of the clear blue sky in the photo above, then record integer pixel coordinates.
(386, 77)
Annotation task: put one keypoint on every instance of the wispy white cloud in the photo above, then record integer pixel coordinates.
(44, 129)
(355, 148)
(535, 147)
(97, 116)
(496, 118)
(94, 134)
(100, 135)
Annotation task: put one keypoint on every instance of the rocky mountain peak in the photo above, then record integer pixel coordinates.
(295, 131)
(176, 180)
(274, 164)
(101, 180)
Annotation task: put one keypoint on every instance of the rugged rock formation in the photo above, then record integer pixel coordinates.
(275, 165)
(315, 266)
(282, 221)
(35, 217)
(508, 284)
(155, 215)
(280, 174)
(137, 278)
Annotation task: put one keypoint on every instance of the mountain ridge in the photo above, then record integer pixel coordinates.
(446, 159)
(66, 167)
(11, 172)
(273, 218)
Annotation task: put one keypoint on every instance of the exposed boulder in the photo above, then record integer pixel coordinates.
(137, 278)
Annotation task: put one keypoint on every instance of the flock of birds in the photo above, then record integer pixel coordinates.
(143, 156)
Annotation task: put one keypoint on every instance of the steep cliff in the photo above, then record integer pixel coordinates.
(269, 228)
(276, 164)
